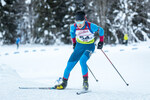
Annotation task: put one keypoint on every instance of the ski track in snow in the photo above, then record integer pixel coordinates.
(40, 66)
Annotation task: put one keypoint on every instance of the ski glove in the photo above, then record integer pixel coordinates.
(74, 45)
(100, 45)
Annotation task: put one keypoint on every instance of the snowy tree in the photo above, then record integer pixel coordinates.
(21, 20)
(11, 16)
(48, 21)
(128, 17)
(8, 25)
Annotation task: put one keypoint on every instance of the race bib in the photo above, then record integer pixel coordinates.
(84, 35)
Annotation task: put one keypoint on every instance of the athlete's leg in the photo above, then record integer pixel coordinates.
(84, 67)
(89, 49)
(74, 58)
(83, 61)
(68, 69)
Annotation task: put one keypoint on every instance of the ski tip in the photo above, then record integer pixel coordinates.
(21, 87)
(82, 92)
(78, 93)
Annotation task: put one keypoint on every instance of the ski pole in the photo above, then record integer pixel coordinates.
(92, 73)
(115, 68)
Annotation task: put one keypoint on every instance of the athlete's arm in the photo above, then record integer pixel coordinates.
(96, 28)
(72, 33)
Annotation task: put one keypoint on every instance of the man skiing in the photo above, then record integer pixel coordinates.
(82, 34)
(125, 39)
(17, 42)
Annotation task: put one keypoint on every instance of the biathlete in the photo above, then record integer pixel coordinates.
(82, 34)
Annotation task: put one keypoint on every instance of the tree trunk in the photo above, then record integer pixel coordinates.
(102, 9)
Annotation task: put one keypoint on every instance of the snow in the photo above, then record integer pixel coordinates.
(115, 11)
(54, 12)
(66, 25)
(39, 29)
(120, 16)
(28, 1)
(145, 36)
(37, 65)
(46, 18)
(53, 26)
(3, 2)
(46, 32)
(6, 12)
(148, 20)
(0, 35)
(91, 3)
(71, 8)
(66, 16)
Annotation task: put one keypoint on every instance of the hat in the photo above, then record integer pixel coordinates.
(80, 15)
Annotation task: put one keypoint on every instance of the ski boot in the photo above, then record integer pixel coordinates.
(85, 83)
(61, 86)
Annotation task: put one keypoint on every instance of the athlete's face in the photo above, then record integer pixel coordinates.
(80, 24)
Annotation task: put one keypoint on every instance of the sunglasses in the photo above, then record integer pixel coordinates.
(80, 22)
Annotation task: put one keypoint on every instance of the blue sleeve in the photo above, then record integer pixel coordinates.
(72, 31)
(95, 28)
(101, 31)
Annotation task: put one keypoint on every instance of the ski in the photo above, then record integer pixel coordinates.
(53, 88)
(46, 88)
(82, 92)
(43, 88)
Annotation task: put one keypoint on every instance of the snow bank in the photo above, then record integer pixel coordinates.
(7, 72)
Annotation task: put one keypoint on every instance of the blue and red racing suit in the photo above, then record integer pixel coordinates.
(84, 39)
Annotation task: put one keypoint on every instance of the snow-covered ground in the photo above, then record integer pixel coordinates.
(33, 66)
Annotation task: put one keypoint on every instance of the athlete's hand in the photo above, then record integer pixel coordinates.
(74, 45)
(100, 45)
